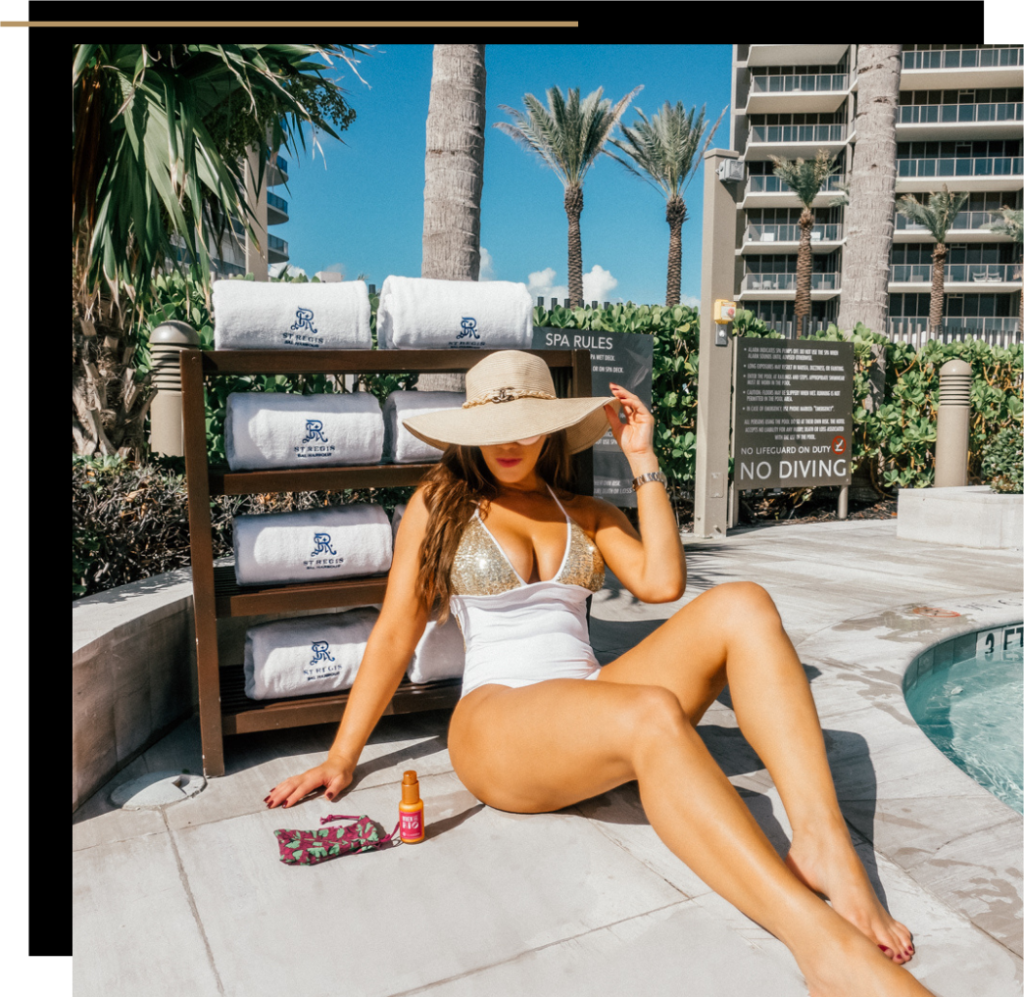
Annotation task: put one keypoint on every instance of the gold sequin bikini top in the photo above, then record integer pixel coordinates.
(481, 567)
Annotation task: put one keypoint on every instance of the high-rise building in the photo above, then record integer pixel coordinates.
(959, 123)
(237, 254)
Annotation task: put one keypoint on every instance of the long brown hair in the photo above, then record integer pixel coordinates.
(451, 491)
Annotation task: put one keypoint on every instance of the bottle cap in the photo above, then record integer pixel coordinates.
(410, 787)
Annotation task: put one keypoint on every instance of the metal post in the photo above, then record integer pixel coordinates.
(844, 502)
(714, 383)
(166, 343)
(953, 426)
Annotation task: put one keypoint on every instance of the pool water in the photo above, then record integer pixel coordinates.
(970, 705)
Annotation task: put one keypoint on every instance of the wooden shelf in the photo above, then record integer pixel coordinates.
(315, 479)
(241, 715)
(223, 706)
(233, 599)
(361, 361)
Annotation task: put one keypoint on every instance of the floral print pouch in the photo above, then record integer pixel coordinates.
(311, 847)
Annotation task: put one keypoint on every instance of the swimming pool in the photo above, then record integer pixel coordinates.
(967, 695)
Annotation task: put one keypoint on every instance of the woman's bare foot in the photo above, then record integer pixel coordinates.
(829, 865)
(844, 963)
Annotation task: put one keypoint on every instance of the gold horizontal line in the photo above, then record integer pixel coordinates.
(289, 24)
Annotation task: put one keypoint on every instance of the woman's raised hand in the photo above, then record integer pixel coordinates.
(636, 434)
(333, 775)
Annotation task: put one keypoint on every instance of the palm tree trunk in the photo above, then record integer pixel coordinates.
(938, 287)
(574, 208)
(804, 267)
(868, 221)
(675, 215)
(454, 176)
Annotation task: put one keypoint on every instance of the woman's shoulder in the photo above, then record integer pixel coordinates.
(590, 512)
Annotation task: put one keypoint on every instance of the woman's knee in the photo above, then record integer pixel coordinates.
(655, 714)
(742, 606)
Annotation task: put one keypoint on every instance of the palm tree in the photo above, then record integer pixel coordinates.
(938, 217)
(158, 137)
(868, 219)
(666, 151)
(454, 176)
(1010, 224)
(806, 180)
(568, 136)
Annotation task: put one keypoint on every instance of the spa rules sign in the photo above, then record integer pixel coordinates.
(793, 413)
(627, 359)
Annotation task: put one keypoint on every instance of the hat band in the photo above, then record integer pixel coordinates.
(506, 395)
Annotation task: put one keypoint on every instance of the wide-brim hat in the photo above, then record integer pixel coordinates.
(510, 396)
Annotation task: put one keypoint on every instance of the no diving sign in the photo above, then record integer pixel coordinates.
(794, 413)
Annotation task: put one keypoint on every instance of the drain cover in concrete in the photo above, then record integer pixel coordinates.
(156, 790)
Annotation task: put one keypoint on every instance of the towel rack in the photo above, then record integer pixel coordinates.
(224, 709)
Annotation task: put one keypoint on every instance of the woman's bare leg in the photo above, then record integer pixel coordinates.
(732, 634)
(548, 745)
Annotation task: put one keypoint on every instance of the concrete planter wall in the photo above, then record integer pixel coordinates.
(972, 516)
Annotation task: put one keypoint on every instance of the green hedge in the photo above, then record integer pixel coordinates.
(896, 442)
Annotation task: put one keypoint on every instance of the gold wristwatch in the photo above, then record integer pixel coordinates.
(649, 476)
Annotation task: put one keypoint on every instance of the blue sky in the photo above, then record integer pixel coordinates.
(357, 207)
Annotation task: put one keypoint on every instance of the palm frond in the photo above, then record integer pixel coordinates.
(805, 178)
(938, 214)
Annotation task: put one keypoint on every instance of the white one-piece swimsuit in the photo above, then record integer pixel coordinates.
(517, 633)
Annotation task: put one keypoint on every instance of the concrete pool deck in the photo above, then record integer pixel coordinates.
(192, 897)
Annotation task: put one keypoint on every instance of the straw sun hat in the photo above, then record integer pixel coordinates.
(510, 396)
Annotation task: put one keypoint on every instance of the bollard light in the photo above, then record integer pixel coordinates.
(165, 344)
(953, 426)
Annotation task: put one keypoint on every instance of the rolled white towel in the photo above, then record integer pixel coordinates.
(421, 313)
(306, 655)
(400, 446)
(440, 654)
(312, 546)
(280, 316)
(268, 429)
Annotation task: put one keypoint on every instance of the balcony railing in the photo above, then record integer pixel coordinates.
(956, 273)
(787, 282)
(763, 83)
(282, 165)
(763, 183)
(928, 114)
(798, 133)
(956, 166)
(278, 202)
(963, 58)
(964, 220)
(791, 233)
(277, 244)
(997, 331)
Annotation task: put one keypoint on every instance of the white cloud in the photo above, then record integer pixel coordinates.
(276, 269)
(597, 285)
(335, 268)
(486, 265)
(689, 299)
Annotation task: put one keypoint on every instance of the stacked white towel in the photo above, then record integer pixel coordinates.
(440, 654)
(312, 546)
(267, 429)
(400, 446)
(280, 316)
(306, 655)
(420, 313)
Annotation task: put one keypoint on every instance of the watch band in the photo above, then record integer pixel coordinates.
(649, 476)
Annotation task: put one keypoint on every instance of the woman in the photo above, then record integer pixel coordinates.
(494, 537)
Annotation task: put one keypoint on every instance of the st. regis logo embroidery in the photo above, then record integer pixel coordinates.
(320, 649)
(468, 329)
(323, 544)
(303, 320)
(314, 431)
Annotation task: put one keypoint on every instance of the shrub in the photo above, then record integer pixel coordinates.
(1002, 464)
(130, 522)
